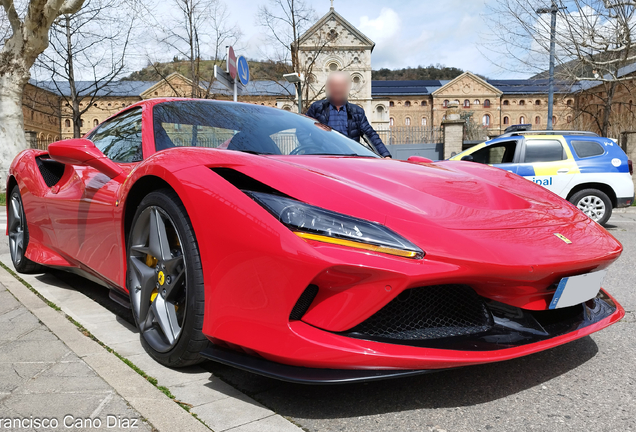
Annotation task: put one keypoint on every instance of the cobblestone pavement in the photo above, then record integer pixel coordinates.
(42, 379)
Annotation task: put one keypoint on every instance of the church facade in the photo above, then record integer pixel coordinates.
(332, 44)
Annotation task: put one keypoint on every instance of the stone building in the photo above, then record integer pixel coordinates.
(403, 111)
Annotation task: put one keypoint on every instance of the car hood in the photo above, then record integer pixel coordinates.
(455, 195)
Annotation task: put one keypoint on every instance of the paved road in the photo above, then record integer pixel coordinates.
(589, 384)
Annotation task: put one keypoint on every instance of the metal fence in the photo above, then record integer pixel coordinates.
(411, 135)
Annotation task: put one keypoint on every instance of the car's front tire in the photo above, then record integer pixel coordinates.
(19, 234)
(594, 203)
(165, 280)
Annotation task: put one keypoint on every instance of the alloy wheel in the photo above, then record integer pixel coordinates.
(16, 229)
(157, 276)
(592, 206)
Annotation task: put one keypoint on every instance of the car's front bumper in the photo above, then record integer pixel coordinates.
(318, 356)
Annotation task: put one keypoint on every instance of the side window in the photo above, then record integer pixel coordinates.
(544, 151)
(496, 154)
(120, 138)
(586, 149)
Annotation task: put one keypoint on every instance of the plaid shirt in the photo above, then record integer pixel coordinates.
(338, 119)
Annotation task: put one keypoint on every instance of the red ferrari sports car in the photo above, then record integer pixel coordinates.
(265, 240)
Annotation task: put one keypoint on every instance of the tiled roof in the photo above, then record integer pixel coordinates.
(115, 88)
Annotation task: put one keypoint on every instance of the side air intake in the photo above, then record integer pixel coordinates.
(303, 303)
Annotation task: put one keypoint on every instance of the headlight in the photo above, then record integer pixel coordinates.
(314, 223)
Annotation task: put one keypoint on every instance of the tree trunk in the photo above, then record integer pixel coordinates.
(12, 137)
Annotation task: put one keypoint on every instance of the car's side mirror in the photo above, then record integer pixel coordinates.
(80, 151)
(468, 158)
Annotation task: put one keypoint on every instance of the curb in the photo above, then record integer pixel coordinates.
(194, 392)
(158, 409)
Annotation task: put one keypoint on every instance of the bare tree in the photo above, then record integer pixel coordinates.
(594, 44)
(200, 29)
(92, 43)
(29, 38)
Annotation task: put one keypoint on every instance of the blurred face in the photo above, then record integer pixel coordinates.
(338, 88)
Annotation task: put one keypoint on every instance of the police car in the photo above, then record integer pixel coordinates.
(591, 172)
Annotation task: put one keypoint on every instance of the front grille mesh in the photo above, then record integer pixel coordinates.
(428, 313)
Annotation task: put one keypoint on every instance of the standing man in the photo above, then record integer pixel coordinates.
(348, 119)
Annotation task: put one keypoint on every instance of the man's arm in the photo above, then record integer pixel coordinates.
(373, 136)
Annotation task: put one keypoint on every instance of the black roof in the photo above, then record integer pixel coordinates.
(412, 87)
(529, 86)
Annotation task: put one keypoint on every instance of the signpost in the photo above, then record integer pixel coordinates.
(243, 70)
(237, 73)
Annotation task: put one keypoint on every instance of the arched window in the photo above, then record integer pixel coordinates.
(333, 66)
(537, 102)
(424, 121)
(485, 120)
(537, 120)
(569, 120)
(286, 108)
(477, 102)
(487, 103)
(424, 103)
(506, 102)
(466, 103)
(391, 121)
(522, 103)
(569, 102)
(446, 102)
(506, 120)
(95, 122)
(81, 123)
(391, 103)
(407, 121)
(522, 120)
(380, 109)
(67, 123)
(554, 120)
(407, 103)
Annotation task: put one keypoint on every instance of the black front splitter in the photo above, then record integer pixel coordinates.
(301, 375)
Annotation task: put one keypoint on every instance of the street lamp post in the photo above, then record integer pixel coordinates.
(297, 79)
(553, 10)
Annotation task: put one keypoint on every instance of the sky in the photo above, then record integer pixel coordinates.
(406, 32)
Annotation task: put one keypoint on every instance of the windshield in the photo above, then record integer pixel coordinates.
(248, 128)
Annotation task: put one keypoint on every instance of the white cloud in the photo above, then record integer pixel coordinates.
(385, 27)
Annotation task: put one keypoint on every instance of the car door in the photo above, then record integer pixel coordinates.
(547, 161)
(82, 209)
(501, 154)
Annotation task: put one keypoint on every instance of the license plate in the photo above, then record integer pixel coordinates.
(577, 289)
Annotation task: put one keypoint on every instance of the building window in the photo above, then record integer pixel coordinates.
(67, 123)
(81, 123)
(424, 103)
(485, 120)
(537, 102)
(446, 103)
(537, 120)
(569, 102)
(487, 103)
(569, 120)
(356, 80)
(506, 102)
(333, 66)
(391, 103)
(424, 121)
(522, 120)
(506, 120)
(407, 103)
(522, 103)
(391, 121)
(95, 122)
(407, 121)
(477, 102)
(466, 103)
(554, 120)
(380, 109)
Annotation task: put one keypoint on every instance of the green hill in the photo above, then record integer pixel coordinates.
(267, 70)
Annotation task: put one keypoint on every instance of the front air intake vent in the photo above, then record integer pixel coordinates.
(303, 303)
(431, 312)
